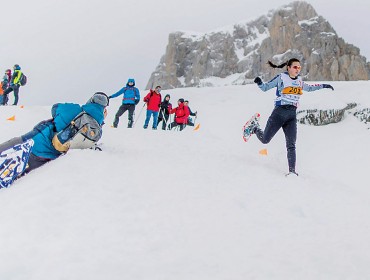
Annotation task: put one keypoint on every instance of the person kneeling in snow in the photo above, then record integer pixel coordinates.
(181, 115)
(71, 126)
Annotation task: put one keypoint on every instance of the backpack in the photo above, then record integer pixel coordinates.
(74, 128)
(23, 80)
(82, 133)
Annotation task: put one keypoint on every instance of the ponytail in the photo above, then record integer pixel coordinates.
(287, 63)
(277, 66)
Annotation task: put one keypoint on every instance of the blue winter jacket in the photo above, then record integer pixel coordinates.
(131, 95)
(44, 132)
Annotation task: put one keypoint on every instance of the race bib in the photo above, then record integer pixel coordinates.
(292, 90)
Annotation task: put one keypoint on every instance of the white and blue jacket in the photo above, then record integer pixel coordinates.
(288, 90)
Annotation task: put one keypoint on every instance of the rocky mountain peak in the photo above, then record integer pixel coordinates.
(237, 54)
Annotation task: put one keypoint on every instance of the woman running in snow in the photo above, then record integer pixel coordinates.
(289, 86)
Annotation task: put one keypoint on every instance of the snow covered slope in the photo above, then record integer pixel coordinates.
(195, 205)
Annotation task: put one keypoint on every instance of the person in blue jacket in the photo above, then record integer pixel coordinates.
(44, 134)
(289, 86)
(131, 97)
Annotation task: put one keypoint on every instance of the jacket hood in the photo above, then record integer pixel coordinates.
(95, 110)
(130, 81)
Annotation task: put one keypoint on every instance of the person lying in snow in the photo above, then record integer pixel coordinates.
(71, 126)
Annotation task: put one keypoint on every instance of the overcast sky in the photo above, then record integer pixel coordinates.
(72, 48)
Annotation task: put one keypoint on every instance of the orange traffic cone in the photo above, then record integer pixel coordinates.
(12, 118)
(263, 152)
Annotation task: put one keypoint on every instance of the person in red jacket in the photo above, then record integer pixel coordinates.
(153, 100)
(181, 115)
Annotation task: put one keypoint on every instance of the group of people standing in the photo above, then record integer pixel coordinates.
(11, 82)
(157, 109)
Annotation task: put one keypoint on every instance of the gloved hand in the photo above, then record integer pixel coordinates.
(109, 97)
(258, 81)
(137, 101)
(327, 86)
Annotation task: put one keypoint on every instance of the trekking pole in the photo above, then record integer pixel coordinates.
(196, 127)
(169, 119)
(138, 116)
(164, 119)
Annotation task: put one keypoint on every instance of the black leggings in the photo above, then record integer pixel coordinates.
(282, 117)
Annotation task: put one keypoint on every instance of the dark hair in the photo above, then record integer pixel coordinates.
(287, 63)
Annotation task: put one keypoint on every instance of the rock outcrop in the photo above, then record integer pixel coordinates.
(237, 54)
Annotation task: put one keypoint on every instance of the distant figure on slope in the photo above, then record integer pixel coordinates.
(289, 86)
(164, 112)
(153, 101)
(131, 97)
(190, 120)
(181, 115)
(4, 85)
(53, 138)
(14, 85)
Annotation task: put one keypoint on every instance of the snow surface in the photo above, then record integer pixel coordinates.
(195, 204)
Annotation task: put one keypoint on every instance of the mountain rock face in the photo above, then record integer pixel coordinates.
(239, 53)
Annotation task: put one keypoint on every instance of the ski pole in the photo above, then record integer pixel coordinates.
(138, 116)
(164, 119)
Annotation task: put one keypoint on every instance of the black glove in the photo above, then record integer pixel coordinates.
(327, 86)
(137, 101)
(109, 97)
(258, 81)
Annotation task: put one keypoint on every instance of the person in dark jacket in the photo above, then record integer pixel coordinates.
(164, 114)
(4, 85)
(131, 97)
(14, 85)
(181, 115)
(190, 120)
(45, 147)
(153, 101)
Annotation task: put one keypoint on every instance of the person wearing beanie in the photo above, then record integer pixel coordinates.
(164, 115)
(55, 136)
(4, 85)
(181, 115)
(153, 101)
(190, 120)
(14, 85)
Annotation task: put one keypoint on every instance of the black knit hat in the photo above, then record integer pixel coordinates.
(181, 100)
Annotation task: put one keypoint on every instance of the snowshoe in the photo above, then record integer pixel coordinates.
(250, 126)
